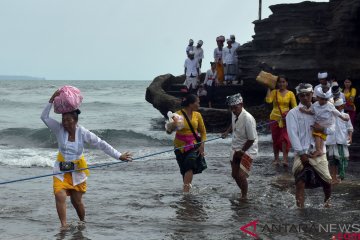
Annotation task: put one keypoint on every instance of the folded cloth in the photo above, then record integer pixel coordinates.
(69, 100)
(318, 170)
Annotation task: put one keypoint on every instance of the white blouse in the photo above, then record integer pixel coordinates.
(74, 150)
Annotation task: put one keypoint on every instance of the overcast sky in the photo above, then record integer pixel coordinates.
(116, 39)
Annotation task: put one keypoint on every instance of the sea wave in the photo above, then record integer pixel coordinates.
(43, 138)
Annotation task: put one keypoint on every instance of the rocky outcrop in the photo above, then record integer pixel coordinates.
(163, 96)
(298, 40)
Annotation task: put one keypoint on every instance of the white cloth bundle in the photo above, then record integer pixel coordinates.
(175, 122)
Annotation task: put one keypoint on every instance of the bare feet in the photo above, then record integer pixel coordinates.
(327, 203)
(187, 187)
(276, 162)
(243, 198)
(335, 181)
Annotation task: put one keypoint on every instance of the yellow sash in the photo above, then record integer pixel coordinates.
(81, 163)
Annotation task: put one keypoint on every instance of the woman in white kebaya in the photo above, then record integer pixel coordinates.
(71, 138)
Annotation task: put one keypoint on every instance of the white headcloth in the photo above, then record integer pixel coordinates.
(322, 75)
(234, 99)
(304, 88)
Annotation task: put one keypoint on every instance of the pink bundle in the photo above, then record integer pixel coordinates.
(70, 99)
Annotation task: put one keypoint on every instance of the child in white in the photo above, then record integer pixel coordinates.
(337, 145)
(324, 113)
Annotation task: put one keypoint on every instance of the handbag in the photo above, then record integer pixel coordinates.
(282, 121)
(66, 166)
(200, 160)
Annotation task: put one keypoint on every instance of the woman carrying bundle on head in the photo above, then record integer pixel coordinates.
(71, 138)
(283, 100)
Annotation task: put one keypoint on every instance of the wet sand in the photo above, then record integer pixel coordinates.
(143, 200)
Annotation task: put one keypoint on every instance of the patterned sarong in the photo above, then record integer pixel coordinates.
(245, 162)
(320, 165)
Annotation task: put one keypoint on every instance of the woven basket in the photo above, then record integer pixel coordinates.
(267, 79)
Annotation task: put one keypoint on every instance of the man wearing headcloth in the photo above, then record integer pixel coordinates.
(244, 145)
(192, 73)
(190, 47)
(199, 52)
(324, 84)
(308, 172)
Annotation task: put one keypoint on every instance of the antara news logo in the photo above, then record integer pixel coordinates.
(338, 231)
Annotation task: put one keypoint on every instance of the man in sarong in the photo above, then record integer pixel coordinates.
(244, 145)
(308, 172)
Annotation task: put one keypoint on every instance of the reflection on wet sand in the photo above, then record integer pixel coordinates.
(189, 209)
(73, 231)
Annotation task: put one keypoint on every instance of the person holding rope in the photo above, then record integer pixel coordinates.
(244, 145)
(71, 138)
(309, 172)
(187, 155)
(283, 100)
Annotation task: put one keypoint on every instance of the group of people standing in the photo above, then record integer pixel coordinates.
(319, 114)
(224, 68)
(302, 122)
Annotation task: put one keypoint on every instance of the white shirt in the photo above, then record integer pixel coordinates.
(210, 77)
(189, 48)
(341, 134)
(320, 86)
(235, 45)
(198, 53)
(298, 126)
(228, 55)
(325, 114)
(244, 129)
(74, 150)
(191, 66)
(217, 54)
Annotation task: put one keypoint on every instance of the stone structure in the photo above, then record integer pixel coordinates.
(297, 40)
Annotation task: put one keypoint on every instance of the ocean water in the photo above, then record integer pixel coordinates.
(143, 199)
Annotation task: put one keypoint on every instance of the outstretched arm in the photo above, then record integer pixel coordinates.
(97, 142)
(226, 133)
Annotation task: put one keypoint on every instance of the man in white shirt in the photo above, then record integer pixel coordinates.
(244, 146)
(190, 47)
(230, 66)
(308, 172)
(192, 73)
(199, 52)
(323, 83)
(235, 45)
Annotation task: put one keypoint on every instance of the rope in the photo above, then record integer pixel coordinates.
(113, 163)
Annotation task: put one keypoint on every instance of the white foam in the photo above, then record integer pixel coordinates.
(27, 157)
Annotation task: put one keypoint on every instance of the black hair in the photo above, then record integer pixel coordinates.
(348, 78)
(189, 99)
(74, 114)
(284, 77)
